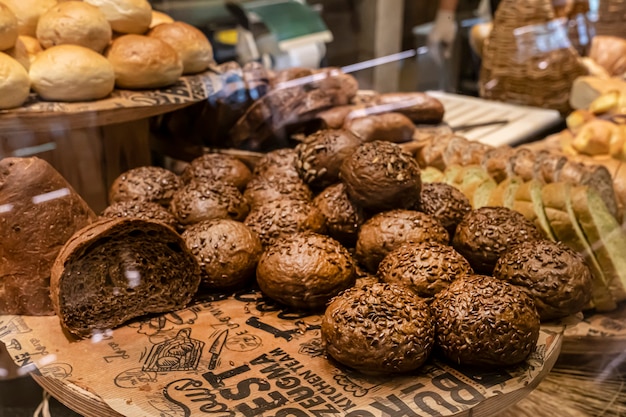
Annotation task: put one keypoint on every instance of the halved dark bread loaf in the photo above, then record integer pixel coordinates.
(115, 270)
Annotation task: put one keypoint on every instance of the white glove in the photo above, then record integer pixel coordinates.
(441, 37)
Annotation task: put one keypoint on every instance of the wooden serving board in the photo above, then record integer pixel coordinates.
(243, 355)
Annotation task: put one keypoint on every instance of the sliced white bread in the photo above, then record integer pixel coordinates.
(606, 237)
(560, 213)
(431, 174)
(504, 194)
(452, 174)
(528, 202)
(469, 178)
(483, 192)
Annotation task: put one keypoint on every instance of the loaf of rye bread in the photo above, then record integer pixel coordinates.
(115, 270)
(39, 211)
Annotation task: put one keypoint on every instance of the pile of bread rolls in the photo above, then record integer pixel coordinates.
(81, 50)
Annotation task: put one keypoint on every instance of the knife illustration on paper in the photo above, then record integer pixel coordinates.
(216, 348)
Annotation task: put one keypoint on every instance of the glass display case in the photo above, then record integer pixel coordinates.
(284, 207)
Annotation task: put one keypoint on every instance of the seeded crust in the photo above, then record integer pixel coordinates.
(279, 160)
(388, 230)
(115, 270)
(320, 156)
(486, 233)
(554, 275)
(146, 210)
(208, 200)
(279, 218)
(445, 203)
(305, 270)
(275, 185)
(226, 250)
(343, 217)
(147, 183)
(380, 329)
(484, 321)
(425, 268)
(380, 176)
(217, 167)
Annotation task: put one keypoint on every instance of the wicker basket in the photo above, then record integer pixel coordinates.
(611, 18)
(528, 58)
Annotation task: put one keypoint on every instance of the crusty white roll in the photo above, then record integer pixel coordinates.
(160, 17)
(14, 82)
(71, 73)
(126, 16)
(19, 53)
(143, 62)
(8, 27)
(192, 45)
(31, 45)
(76, 23)
(28, 12)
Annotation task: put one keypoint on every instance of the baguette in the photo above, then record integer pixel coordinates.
(115, 270)
(469, 178)
(504, 194)
(483, 192)
(560, 213)
(605, 236)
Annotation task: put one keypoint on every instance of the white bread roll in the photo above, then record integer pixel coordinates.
(75, 23)
(8, 28)
(71, 73)
(19, 53)
(192, 45)
(143, 62)
(14, 82)
(126, 16)
(28, 12)
(160, 17)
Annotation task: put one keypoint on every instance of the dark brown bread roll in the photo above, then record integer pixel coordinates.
(380, 329)
(380, 176)
(218, 167)
(276, 185)
(321, 154)
(282, 217)
(281, 160)
(149, 183)
(305, 270)
(391, 126)
(226, 250)
(115, 270)
(208, 200)
(486, 233)
(39, 212)
(146, 210)
(388, 230)
(445, 203)
(425, 268)
(484, 321)
(554, 275)
(343, 217)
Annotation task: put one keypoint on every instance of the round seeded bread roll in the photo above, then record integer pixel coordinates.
(25, 50)
(28, 12)
(379, 329)
(305, 270)
(388, 230)
(143, 62)
(265, 188)
(445, 203)
(192, 45)
(160, 17)
(76, 23)
(126, 16)
(146, 210)
(227, 251)
(71, 73)
(483, 321)
(8, 27)
(148, 183)
(218, 167)
(555, 276)
(343, 217)
(14, 82)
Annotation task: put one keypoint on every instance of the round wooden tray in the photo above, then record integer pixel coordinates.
(239, 353)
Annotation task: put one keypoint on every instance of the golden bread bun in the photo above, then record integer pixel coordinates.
(28, 12)
(14, 82)
(160, 17)
(8, 28)
(71, 73)
(126, 16)
(192, 45)
(19, 53)
(75, 23)
(143, 62)
(31, 45)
